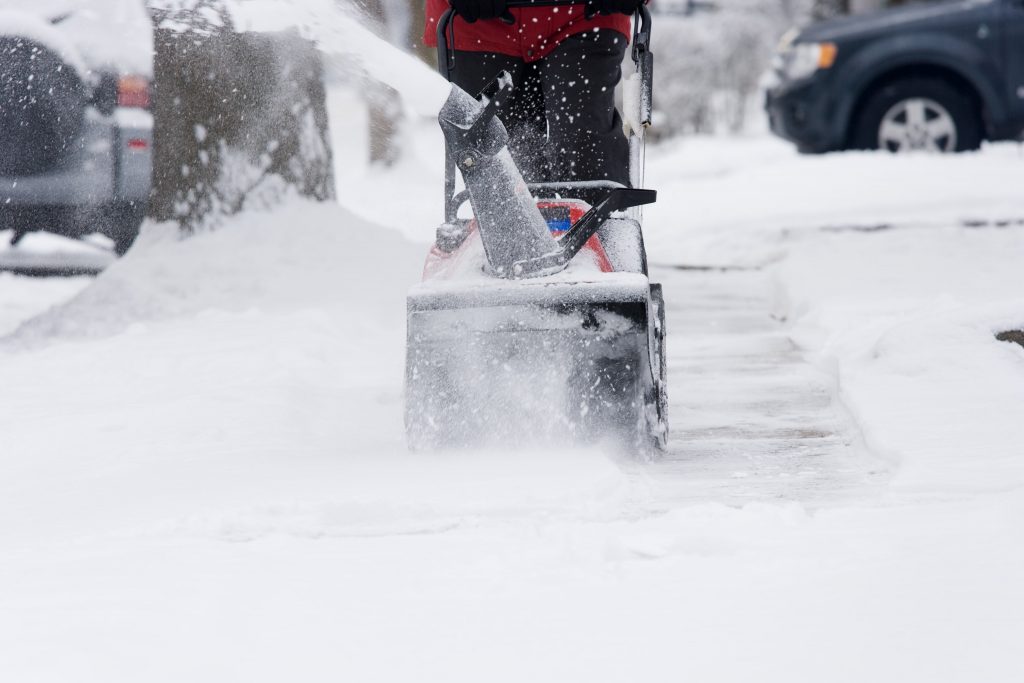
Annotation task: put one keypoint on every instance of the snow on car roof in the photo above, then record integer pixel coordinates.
(107, 35)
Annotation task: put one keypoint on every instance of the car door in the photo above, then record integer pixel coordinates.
(1013, 55)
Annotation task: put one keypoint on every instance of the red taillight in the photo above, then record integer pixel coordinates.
(133, 91)
(137, 144)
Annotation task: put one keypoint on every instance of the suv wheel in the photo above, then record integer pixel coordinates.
(124, 223)
(42, 106)
(920, 114)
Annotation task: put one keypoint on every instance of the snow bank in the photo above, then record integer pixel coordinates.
(736, 196)
(25, 297)
(302, 254)
(909, 318)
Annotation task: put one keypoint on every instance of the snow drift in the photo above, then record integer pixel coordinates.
(301, 255)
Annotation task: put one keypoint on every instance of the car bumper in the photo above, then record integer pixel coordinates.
(803, 113)
(112, 163)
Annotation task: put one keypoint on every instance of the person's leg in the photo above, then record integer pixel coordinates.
(584, 128)
(523, 115)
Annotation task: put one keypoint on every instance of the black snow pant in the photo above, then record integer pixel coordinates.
(561, 118)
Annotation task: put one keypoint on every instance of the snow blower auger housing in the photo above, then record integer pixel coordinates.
(535, 322)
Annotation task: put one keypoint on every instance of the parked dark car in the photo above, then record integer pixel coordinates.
(939, 76)
(76, 132)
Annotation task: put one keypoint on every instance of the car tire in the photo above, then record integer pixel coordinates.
(123, 227)
(918, 114)
(42, 107)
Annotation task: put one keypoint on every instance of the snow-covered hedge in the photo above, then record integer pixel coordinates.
(241, 116)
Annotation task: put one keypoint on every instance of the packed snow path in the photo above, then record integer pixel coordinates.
(752, 418)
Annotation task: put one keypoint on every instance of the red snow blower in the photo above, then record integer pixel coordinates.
(536, 323)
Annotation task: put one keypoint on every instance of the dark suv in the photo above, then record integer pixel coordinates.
(940, 76)
(76, 132)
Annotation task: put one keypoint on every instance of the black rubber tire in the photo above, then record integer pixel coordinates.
(657, 415)
(42, 107)
(960, 105)
(124, 224)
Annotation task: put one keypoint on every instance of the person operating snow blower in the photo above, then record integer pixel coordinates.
(566, 61)
(536, 322)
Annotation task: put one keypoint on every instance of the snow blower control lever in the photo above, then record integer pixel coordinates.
(617, 199)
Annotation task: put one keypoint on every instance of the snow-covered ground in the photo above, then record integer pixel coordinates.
(203, 474)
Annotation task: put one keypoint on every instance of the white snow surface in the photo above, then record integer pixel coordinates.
(737, 196)
(203, 474)
(909, 316)
(97, 35)
(48, 252)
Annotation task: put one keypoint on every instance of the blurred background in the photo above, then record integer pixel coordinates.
(196, 109)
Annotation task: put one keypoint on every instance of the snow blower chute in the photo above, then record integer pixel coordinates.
(535, 322)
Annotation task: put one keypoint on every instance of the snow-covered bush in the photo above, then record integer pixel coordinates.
(707, 64)
(240, 117)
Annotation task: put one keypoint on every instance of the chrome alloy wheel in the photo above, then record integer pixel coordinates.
(917, 123)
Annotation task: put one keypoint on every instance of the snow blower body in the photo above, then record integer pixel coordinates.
(535, 323)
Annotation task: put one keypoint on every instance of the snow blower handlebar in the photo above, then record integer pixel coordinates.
(643, 59)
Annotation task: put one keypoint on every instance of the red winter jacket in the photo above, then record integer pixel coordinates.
(537, 31)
